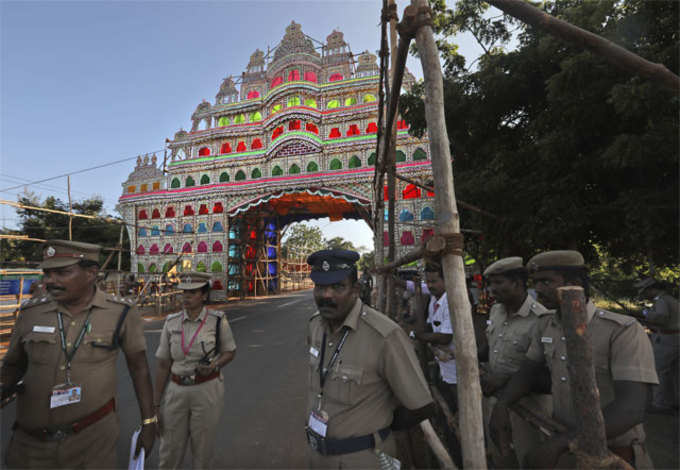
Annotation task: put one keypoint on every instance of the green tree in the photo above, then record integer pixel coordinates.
(302, 240)
(340, 243)
(566, 150)
(47, 225)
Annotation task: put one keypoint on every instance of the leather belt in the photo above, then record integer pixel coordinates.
(59, 432)
(193, 379)
(626, 453)
(326, 446)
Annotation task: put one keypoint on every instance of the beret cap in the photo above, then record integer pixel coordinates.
(558, 260)
(503, 265)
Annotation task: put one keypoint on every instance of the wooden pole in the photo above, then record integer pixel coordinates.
(469, 390)
(612, 53)
(436, 445)
(70, 208)
(591, 442)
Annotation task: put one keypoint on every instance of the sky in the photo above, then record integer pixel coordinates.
(88, 83)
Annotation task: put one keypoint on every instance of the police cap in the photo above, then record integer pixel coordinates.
(558, 260)
(62, 253)
(504, 265)
(193, 280)
(331, 266)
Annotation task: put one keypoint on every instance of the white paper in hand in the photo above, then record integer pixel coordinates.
(136, 463)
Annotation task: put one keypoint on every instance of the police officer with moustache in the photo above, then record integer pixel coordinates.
(512, 322)
(362, 368)
(623, 363)
(64, 349)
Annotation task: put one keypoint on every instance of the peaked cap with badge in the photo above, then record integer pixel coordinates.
(558, 260)
(193, 280)
(331, 266)
(62, 253)
(504, 265)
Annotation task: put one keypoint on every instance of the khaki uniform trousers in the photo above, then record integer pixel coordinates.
(525, 437)
(94, 447)
(190, 413)
(362, 459)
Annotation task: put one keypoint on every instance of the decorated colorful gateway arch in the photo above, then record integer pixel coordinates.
(295, 141)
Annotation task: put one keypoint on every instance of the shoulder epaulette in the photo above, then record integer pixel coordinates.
(173, 315)
(34, 302)
(378, 321)
(538, 309)
(216, 313)
(119, 300)
(316, 315)
(624, 320)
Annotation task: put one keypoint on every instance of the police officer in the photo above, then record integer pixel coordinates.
(194, 346)
(664, 318)
(64, 348)
(623, 363)
(362, 366)
(512, 322)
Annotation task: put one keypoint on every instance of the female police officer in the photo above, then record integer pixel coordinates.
(195, 344)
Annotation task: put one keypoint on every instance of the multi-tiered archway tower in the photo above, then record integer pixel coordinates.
(296, 140)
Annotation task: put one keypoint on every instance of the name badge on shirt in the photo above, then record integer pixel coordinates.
(43, 329)
(318, 423)
(65, 395)
(546, 339)
(313, 351)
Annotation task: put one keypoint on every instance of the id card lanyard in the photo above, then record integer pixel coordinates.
(186, 349)
(76, 345)
(323, 371)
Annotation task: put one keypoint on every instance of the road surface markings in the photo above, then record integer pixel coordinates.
(290, 303)
(237, 319)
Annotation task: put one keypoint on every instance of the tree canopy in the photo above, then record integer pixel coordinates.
(566, 150)
(46, 225)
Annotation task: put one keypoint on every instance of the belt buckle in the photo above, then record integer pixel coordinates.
(187, 380)
(54, 435)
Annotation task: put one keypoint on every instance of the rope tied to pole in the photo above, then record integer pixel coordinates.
(414, 19)
(389, 13)
(452, 244)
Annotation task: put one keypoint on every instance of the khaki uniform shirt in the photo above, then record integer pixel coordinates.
(665, 312)
(36, 342)
(509, 337)
(376, 371)
(621, 351)
(170, 346)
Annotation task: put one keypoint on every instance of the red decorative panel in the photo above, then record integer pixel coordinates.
(311, 127)
(252, 94)
(188, 210)
(372, 128)
(402, 125)
(217, 247)
(204, 152)
(226, 148)
(294, 125)
(335, 77)
(153, 250)
(427, 234)
(203, 210)
(411, 192)
(203, 247)
(156, 214)
(277, 132)
(217, 208)
(170, 212)
(140, 250)
(294, 75)
(217, 285)
(257, 144)
(142, 215)
(335, 133)
(186, 248)
(167, 248)
(407, 238)
(386, 239)
(310, 77)
(353, 130)
(241, 147)
(276, 82)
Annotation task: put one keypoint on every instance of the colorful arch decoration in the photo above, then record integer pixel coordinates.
(255, 174)
(368, 98)
(310, 103)
(311, 127)
(239, 119)
(335, 164)
(155, 214)
(217, 208)
(189, 182)
(186, 248)
(354, 162)
(294, 125)
(257, 144)
(240, 175)
(200, 267)
(167, 249)
(217, 227)
(277, 171)
(241, 147)
(141, 232)
(427, 213)
(202, 228)
(205, 179)
(312, 167)
(335, 133)
(217, 247)
(372, 128)
(276, 81)
(311, 77)
(336, 77)
(170, 211)
(153, 250)
(293, 101)
(419, 154)
(140, 268)
(204, 152)
(225, 148)
(155, 231)
(351, 101)
(405, 216)
(175, 183)
(169, 229)
(140, 250)
(371, 159)
(401, 156)
(166, 266)
(203, 209)
(224, 177)
(294, 75)
(202, 247)
(223, 121)
(407, 238)
(142, 215)
(216, 267)
(411, 191)
(332, 104)
(252, 94)
(188, 210)
(294, 169)
(187, 228)
(256, 116)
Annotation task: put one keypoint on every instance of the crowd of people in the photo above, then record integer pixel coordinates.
(365, 378)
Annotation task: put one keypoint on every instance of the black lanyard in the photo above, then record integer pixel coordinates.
(323, 371)
(76, 345)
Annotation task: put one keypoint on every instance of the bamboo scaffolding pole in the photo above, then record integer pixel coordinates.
(612, 53)
(469, 390)
(436, 445)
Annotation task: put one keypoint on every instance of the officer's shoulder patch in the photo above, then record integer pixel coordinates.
(315, 316)
(35, 302)
(378, 321)
(538, 309)
(216, 313)
(172, 316)
(623, 320)
(119, 300)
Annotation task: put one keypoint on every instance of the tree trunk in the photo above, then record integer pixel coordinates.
(469, 390)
